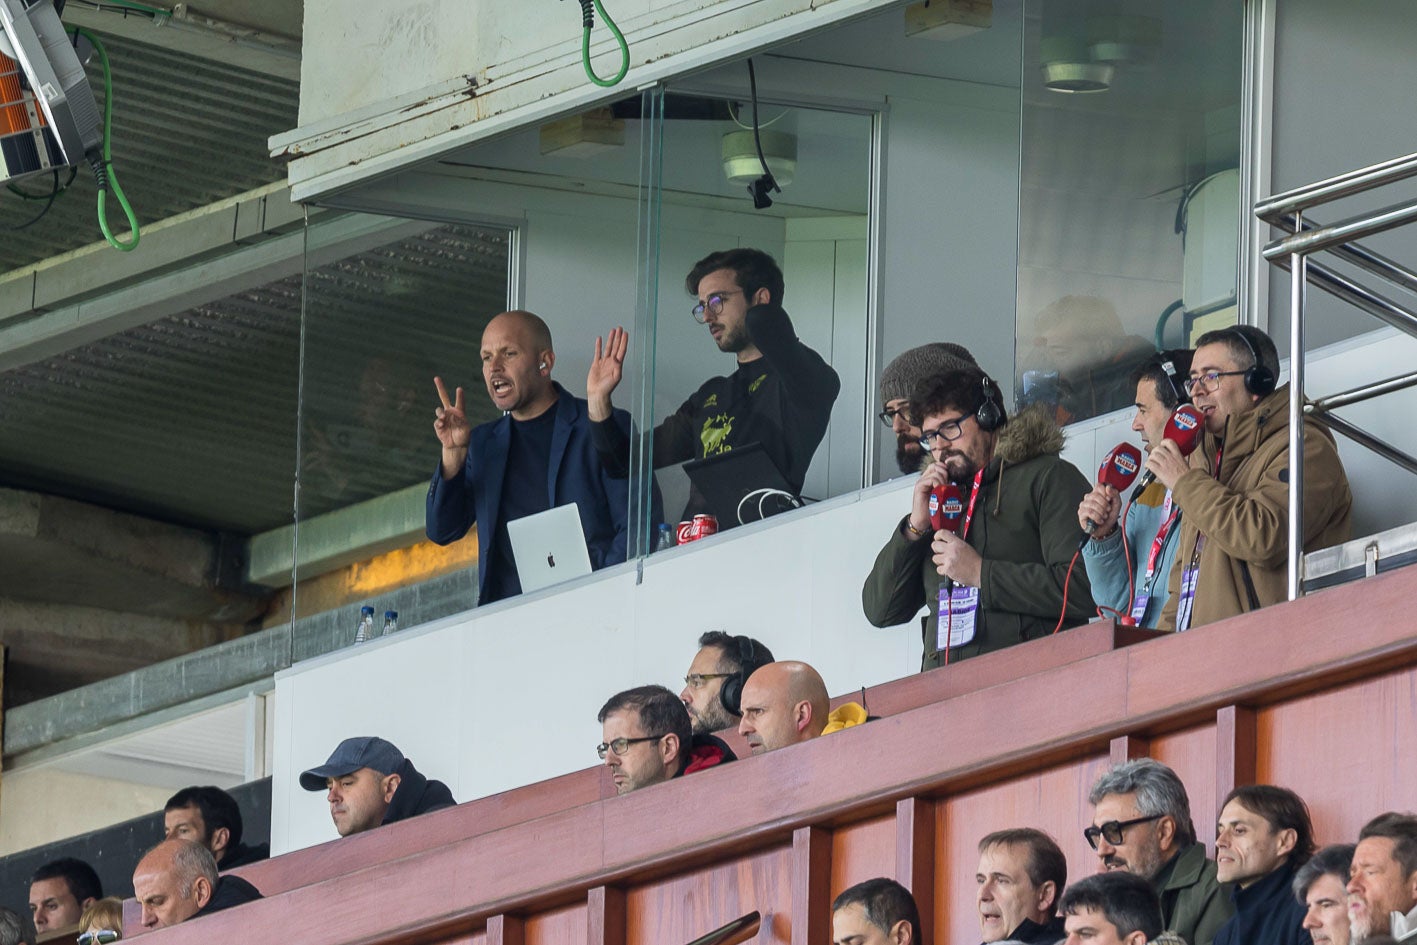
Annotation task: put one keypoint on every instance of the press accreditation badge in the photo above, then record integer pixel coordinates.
(1139, 606)
(958, 610)
(1188, 598)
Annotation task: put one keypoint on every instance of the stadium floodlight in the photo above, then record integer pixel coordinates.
(49, 117)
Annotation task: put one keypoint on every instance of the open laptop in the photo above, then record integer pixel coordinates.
(726, 480)
(549, 547)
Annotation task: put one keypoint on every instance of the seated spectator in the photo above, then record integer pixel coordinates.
(1141, 823)
(1025, 495)
(1264, 835)
(369, 783)
(1234, 542)
(637, 759)
(101, 923)
(178, 880)
(1136, 583)
(713, 687)
(1021, 873)
(1321, 885)
(1382, 885)
(899, 380)
(877, 912)
(60, 891)
(12, 929)
(785, 703)
(1115, 908)
(211, 817)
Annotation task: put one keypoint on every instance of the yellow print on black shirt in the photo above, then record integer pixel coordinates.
(715, 434)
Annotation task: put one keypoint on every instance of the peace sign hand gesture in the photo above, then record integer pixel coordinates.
(452, 429)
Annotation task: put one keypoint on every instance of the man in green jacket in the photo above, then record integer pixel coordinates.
(999, 577)
(1141, 823)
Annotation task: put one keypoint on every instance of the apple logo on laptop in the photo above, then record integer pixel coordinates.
(551, 561)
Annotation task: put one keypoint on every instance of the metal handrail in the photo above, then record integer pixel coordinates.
(1344, 185)
(1286, 212)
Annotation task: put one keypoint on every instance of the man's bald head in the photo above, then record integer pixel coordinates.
(173, 882)
(530, 325)
(516, 364)
(783, 703)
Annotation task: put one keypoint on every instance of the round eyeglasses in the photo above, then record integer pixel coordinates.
(713, 305)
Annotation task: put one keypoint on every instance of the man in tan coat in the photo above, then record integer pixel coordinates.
(1235, 501)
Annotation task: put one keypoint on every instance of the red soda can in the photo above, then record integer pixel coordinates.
(684, 532)
(703, 526)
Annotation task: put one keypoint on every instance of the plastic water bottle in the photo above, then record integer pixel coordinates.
(666, 537)
(366, 626)
(391, 622)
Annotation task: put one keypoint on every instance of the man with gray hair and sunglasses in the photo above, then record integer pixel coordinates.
(1141, 823)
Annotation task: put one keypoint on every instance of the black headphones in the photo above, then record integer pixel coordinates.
(749, 661)
(989, 416)
(1259, 380)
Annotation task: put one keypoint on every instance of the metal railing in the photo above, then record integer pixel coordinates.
(1306, 237)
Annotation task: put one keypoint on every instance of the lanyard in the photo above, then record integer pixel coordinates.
(969, 512)
(1171, 513)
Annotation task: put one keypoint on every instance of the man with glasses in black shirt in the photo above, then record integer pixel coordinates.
(1141, 823)
(648, 739)
(780, 395)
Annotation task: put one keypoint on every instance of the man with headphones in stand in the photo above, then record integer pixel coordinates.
(713, 687)
(502, 470)
(998, 578)
(1136, 585)
(1235, 506)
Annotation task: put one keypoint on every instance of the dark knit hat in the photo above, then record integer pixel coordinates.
(911, 367)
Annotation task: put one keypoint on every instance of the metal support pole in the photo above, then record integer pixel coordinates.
(1297, 284)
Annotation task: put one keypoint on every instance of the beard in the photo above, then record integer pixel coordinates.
(714, 718)
(908, 454)
(1360, 930)
(960, 468)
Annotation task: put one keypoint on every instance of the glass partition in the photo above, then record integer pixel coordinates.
(1129, 201)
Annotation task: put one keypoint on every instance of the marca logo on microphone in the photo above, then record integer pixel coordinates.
(1185, 420)
(1126, 463)
(953, 507)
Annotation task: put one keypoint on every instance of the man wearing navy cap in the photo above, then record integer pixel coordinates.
(370, 783)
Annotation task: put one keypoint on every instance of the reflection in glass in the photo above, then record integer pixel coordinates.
(1128, 210)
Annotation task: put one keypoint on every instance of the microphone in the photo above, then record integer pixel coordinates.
(946, 507)
(1118, 470)
(1184, 429)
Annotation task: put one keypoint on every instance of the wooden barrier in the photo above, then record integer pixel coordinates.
(1306, 694)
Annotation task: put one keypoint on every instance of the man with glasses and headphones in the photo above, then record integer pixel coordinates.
(998, 578)
(1136, 585)
(713, 687)
(779, 396)
(1233, 547)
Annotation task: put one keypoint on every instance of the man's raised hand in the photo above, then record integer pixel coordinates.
(450, 423)
(607, 367)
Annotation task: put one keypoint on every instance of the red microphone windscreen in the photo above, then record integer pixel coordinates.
(1120, 466)
(1185, 428)
(946, 507)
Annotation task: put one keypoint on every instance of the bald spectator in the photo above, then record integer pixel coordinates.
(536, 456)
(1321, 886)
(211, 817)
(899, 379)
(178, 880)
(368, 783)
(783, 703)
(12, 929)
(877, 912)
(60, 891)
(1382, 886)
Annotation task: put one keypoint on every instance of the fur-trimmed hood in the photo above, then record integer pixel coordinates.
(1030, 433)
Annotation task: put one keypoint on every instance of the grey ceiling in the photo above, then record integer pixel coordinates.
(186, 132)
(192, 418)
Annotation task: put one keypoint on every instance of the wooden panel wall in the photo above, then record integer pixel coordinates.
(909, 795)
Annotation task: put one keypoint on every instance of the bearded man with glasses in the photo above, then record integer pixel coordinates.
(1233, 492)
(779, 396)
(997, 578)
(1141, 823)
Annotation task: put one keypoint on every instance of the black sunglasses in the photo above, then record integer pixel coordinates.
(1112, 830)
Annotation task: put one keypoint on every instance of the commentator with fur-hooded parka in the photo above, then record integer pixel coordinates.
(1025, 528)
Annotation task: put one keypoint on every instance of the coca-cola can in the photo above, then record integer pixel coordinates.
(684, 532)
(703, 526)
